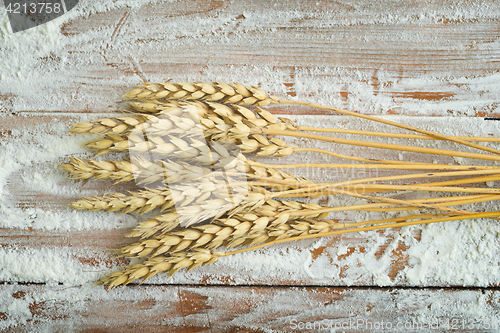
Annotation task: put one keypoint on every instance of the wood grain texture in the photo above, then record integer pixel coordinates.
(415, 57)
(430, 64)
(87, 249)
(249, 309)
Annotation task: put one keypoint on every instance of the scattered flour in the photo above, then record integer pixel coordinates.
(464, 253)
(40, 66)
(45, 265)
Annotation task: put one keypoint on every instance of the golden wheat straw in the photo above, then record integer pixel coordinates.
(443, 201)
(427, 175)
(360, 186)
(393, 135)
(383, 145)
(350, 183)
(388, 122)
(416, 166)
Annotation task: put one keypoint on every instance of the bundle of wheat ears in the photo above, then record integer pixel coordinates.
(191, 147)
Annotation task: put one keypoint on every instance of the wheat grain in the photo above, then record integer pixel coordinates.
(217, 91)
(167, 172)
(249, 227)
(158, 224)
(154, 106)
(171, 264)
(193, 202)
(113, 125)
(176, 120)
(119, 171)
(165, 223)
(183, 130)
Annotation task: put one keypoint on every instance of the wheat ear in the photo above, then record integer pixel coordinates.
(171, 264)
(113, 125)
(119, 171)
(179, 260)
(217, 91)
(217, 123)
(222, 92)
(231, 230)
(235, 233)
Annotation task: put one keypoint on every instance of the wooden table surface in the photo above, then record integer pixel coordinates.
(432, 64)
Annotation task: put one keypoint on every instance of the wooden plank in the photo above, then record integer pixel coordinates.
(398, 59)
(87, 257)
(413, 60)
(244, 309)
(36, 220)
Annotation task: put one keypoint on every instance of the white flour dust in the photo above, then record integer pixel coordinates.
(50, 70)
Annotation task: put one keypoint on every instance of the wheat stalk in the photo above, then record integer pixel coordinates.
(302, 230)
(229, 230)
(176, 120)
(222, 91)
(388, 122)
(382, 145)
(217, 123)
(179, 260)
